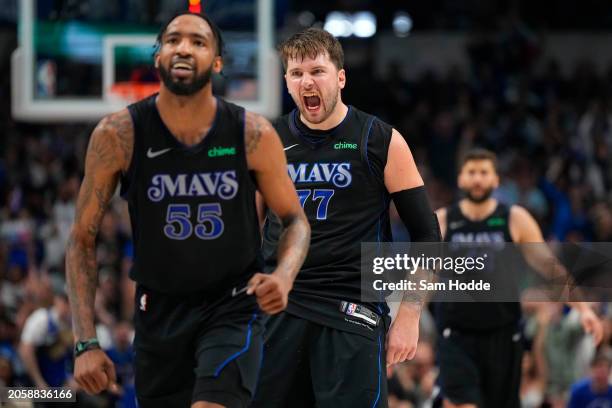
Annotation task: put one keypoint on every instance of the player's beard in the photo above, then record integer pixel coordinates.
(182, 88)
(481, 199)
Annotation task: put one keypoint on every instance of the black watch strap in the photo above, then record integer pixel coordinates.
(82, 346)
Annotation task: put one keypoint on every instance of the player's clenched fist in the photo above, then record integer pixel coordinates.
(95, 372)
(271, 290)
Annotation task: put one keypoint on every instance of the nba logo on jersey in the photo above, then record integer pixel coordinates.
(143, 302)
(351, 309)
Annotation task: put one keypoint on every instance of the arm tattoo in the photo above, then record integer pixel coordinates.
(108, 154)
(414, 300)
(116, 141)
(125, 136)
(253, 132)
(293, 244)
(81, 270)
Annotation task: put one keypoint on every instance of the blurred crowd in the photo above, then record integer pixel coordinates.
(553, 135)
(40, 173)
(552, 132)
(561, 367)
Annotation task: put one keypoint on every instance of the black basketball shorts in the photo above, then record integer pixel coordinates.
(307, 364)
(190, 348)
(482, 368)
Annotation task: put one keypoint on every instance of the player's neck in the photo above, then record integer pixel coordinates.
(477, 211)
(187, 117)
(199, 102)
(332, 121)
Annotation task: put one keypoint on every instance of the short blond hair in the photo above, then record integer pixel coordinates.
(311, 43)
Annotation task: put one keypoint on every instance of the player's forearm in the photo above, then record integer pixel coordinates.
(293, 245)
(413, 300)
(559, 281)
(412, 303)
(540, 257)
(580, 306)
(82, 279)
(409, 309)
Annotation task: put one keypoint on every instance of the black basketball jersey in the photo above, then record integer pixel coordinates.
(192, 209)
(478, 315)
(340, 183)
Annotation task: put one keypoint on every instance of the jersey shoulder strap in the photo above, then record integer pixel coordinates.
(283, 127)
(502, 211)
(453, 213)
(374, 143)
(142, 114)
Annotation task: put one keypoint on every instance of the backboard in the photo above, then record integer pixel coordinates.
(81, 63)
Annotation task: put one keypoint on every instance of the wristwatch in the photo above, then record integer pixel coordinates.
(82, 346)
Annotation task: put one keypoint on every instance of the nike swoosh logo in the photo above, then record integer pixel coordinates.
(151, 154)
(289, 147)
(236, 292)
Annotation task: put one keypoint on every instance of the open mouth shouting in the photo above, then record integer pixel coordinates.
(312, 102)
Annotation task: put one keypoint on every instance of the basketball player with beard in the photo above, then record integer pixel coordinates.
(479, 344)
(189, 165)
(330, 349)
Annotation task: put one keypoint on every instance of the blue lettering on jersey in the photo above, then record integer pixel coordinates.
(222, 184)
(338, 174)
(489, 239)
(478, 237)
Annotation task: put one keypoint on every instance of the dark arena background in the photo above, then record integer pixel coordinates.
(529, 80)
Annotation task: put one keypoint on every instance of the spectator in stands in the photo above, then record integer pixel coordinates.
(533, 383)
(46, 343)
(414, 380)
(7, 380)
(595, 390)
(122, 355)
(563, 336)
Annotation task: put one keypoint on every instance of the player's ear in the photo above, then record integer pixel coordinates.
(342, 78)
(217, 64)
(156, 59)
(459, 178)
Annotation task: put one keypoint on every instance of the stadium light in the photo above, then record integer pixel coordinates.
(402, 24)
(338, 24)
(364, 24)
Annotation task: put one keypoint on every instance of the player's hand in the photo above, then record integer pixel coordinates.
(591, 324)
(95, 372)
(71, 383)
(402, 337)
(272, 292)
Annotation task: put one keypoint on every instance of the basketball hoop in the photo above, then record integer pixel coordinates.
(132, 91)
